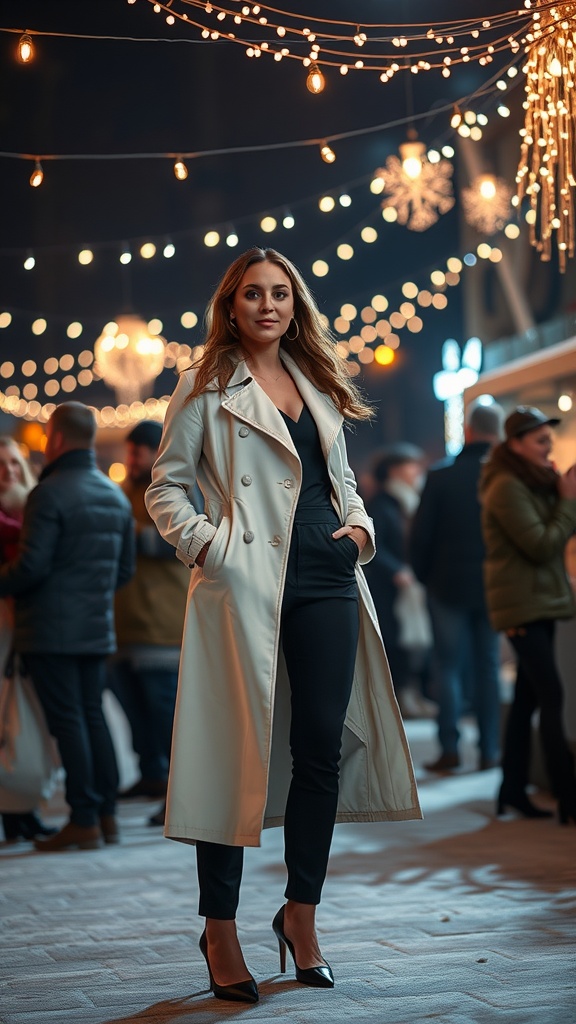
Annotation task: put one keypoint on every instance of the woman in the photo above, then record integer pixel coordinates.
(16, 482)
(529, 512)
(282, 661)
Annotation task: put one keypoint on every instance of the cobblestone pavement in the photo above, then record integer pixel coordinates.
(459, 918)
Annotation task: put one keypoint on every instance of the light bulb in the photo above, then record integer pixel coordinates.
(180, 170)
(555, 67)
(412, 166)
(25, 49)
(328, 155)
(456, 119)
(37, 176)
(315, 81)
(412, 154)
(487, 188)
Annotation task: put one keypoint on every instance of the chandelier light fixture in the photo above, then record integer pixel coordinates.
(486, 203)
(129, 358)
(546, 171)
(418, 190)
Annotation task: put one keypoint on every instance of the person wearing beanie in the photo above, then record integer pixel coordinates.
(528, 515)
(149, 619)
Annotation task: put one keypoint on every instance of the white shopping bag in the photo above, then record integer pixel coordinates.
(28, 758)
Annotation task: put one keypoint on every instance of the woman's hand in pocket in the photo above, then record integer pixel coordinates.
(357, 533)
(201, 556)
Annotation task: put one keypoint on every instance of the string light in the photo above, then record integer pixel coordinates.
(25, 49)
(432, 45)
(315, 82)
(546, 170)
(180, 170)
(327, 153)
(37, 176)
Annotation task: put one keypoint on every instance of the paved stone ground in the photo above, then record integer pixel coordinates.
(460, 918)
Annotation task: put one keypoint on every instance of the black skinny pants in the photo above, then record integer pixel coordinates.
(538, 685)
(319, 635)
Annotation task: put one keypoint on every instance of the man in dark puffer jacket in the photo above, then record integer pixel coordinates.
(76, 549)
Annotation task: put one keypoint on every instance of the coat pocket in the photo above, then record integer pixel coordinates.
(215, 555)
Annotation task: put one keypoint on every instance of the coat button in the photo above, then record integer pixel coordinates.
(246, 480)
(248, 537)
(288, 483)
(276, 540)
(243, 432)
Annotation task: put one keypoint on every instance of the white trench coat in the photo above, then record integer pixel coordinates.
(231, 767)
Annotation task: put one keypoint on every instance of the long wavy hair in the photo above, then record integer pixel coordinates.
(313, 350)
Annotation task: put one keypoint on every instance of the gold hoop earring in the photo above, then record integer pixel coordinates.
(232, 326)
(287, 336)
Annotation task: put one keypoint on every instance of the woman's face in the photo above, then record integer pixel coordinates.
(10, 469)
(535, 446)
(263, 305)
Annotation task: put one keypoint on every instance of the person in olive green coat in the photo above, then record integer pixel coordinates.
(528, 515)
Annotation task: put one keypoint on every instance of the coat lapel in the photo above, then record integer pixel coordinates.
(251, 404)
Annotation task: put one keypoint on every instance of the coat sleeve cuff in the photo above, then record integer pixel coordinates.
(369, 549)
(203, 533)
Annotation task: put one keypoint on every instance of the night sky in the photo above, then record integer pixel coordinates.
(103, 96)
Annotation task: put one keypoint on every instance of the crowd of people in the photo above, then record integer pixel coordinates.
(238, 597)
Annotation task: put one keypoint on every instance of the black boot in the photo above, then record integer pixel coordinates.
(24, 826)
(521, 803)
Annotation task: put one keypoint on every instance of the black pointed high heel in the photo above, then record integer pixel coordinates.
(521, 803)
(241, 992)
(319, 977)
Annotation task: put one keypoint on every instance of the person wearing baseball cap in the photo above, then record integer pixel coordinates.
(528, 515)
(526, 418)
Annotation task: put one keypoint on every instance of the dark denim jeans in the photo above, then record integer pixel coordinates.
(461, 633)
(70, 689)
(147, 697)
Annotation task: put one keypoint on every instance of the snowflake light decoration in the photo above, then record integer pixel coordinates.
(418, 190)
(487, 203)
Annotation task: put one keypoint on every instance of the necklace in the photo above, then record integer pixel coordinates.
(266, 379)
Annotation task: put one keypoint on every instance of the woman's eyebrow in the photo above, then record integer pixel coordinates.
(274, 286)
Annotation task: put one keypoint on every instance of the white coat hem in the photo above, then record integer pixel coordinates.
(186, 834)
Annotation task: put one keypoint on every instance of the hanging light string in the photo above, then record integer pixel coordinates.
(444, 53)
(438, 40)
(484, 91)
(547, 167)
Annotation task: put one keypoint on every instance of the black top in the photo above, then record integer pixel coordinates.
(316, 486)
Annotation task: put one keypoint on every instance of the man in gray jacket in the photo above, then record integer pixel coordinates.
(76, 549)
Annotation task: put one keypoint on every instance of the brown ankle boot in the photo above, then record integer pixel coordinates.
(109, 828)
(71, 837)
